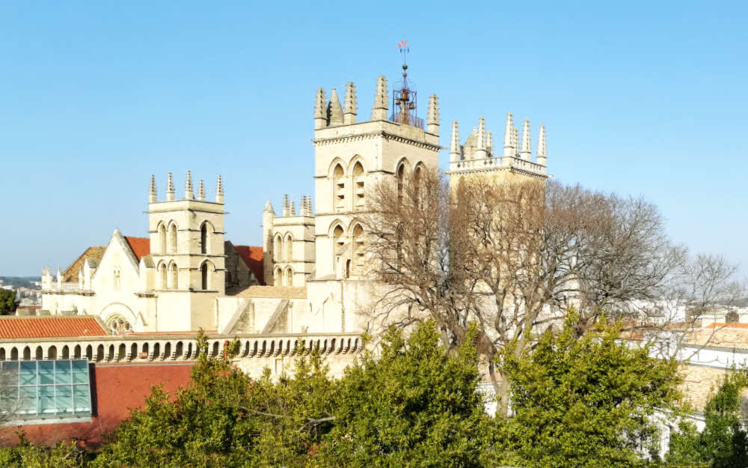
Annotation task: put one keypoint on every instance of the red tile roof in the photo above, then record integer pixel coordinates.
(141, 246)
(252, 257)
(49, 327)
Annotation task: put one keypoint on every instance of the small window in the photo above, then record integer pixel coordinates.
(204, 238)
(204, 276)
(117, 279)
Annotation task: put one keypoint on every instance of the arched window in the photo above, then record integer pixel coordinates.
(289, 277)
(204, 238)
(162, 238)
(172, 247)
(401, 176)
(277, 277)
(338, 180)
(418, 181)
(358, 249)
(358, 185)
(162, 282)
(173, 276)
(288, 244)
(337, 244)
(204, 276)
(277, 248)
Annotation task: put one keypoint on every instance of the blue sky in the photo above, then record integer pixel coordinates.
(639, 98)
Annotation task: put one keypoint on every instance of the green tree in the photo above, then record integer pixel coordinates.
(28, 455)
(415, 405)
(724, 440)
(225, 419)
(585, 402)
(7, 301)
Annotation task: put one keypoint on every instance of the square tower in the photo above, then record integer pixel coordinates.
(187, 246)
(350, 157)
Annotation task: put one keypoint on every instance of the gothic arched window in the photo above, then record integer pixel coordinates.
(288, 244)
(277, 248)
(337, 244)
(204, 276)
(358, 249)
(172, 244)
(358, 185)
(401, 176)
(338, 183)
(163, 283)
(162, 238)
(204, 238)
(289, 277)
(173, 276)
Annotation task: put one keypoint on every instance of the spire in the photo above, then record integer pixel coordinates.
(489, 143)
(269, 207)
(526, 145)
(480, 145)
(509, 136)
(170, 188)
(542, 152)
(454, 147)
(189, 193)
(286, 206)
(515, 141)
(320, 118)
(306, 206)
(152, 195)
(433, 117)
(292, 209)
(201, 191)
(381, 102)
(219, 190)
(351, 107)
(334, 111)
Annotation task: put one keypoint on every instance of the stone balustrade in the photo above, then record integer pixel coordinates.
(146, 348)
(497, 162)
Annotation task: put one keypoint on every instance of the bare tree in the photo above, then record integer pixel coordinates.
(512, 255)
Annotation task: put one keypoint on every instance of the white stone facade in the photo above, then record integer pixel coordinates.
(312, 264)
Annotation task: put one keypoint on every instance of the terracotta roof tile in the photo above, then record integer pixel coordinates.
(49, 327)
(252, 257)
(141, 246)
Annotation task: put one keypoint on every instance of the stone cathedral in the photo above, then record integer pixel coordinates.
(306, 278)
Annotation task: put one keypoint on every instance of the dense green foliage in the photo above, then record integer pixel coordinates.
(28, 455)
(413, 406)
(7, 301)
(724, 440)
(578, 402)
(586, 402)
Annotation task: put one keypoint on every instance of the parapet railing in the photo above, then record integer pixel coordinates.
(135, 348)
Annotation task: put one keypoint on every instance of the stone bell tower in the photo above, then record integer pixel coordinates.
(352, 156)
(187, 247)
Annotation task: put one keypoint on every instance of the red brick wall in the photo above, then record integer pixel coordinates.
(118, 387)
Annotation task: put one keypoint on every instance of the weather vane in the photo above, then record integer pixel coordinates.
(404, 49)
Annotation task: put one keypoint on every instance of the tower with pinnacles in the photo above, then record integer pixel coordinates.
(308, 275)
